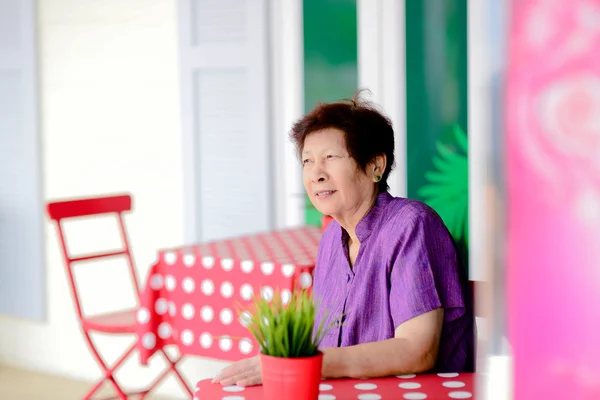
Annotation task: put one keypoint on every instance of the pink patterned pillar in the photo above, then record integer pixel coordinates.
(553, 183)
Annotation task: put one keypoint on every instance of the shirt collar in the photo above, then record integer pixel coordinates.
(370, 220)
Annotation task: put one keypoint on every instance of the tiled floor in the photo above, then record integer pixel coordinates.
(19, 384)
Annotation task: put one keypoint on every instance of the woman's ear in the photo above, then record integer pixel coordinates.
(377, 167)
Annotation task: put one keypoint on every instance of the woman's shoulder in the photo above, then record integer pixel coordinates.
(402, 209)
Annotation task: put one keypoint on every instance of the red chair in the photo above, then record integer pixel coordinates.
(116, 323)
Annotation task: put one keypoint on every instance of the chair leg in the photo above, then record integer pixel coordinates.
(172, 366)
(108, 372)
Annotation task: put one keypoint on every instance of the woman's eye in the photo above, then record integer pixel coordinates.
(305, 161)
(330, 156)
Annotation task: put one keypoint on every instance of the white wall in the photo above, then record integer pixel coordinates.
(287, 106)
(224, 71)
(109, 123)
(21, 225)
(381, 69)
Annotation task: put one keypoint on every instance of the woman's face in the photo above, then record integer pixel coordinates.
(332, 179)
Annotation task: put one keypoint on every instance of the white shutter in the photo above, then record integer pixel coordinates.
(22, 272)
(226, 138)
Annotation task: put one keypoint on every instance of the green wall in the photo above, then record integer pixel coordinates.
(330, 58)
(436, 110)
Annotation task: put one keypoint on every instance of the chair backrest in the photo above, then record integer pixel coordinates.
(86, 207)
(89, 206)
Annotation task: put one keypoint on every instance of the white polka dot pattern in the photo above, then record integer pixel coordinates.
(187, 337)
(206, 340)
(326, 397)
(164, 330)
(207, 313)
(415, 396)
(247, 266)
(149, 340)
(160, 306)
(453, 384)
(233, 389)
(245, 346)
(287, 270)
(267, 293)
(369, 396)
(246, 291)
(226, 289)
(188, 311)
(267, 268)
(233, 398)
(143, 315)
(225, 343)
(245, 318)
(286, 296)
(460, 395)
(172, 308)
(325, 387)
(207, 287)
(410, 385)
(189, 260)
(208, 262)
(406, 376)
(189, 285)
(170, 283)
(305, 280)
(226, 316)
(365, 386)
(170, 258)
(448, 375)
(156, 282)
(227, 264)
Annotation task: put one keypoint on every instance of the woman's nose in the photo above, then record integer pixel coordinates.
(319, 175)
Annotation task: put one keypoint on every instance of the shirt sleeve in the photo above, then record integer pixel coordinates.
(424, 269)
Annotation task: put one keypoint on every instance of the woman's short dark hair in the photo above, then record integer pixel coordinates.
(368, 132)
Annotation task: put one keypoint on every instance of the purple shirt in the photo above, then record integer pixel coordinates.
(406, 266)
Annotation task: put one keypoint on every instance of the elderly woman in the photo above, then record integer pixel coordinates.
(388, 264)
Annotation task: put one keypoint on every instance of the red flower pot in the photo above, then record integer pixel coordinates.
(291, 378)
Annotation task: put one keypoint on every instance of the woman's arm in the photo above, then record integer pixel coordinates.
(413, 349)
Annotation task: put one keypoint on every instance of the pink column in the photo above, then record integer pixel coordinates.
(553, 183)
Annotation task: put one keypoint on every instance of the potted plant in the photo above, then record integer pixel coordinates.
(289, 346)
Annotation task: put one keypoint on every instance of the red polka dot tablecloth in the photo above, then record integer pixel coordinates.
(193, 294)
(410, 387)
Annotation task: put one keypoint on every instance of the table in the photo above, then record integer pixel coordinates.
(411, 387)
(192, 294)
